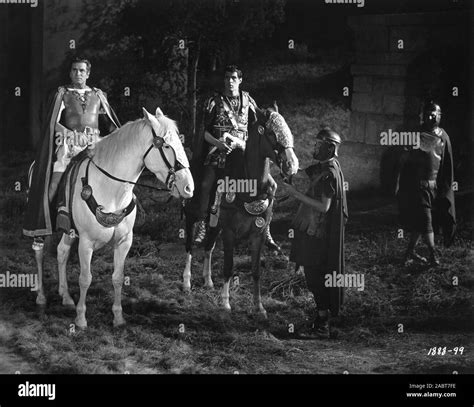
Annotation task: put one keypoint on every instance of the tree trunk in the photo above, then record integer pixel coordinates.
(193, 89)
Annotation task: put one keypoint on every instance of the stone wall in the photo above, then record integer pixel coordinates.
(390, 82)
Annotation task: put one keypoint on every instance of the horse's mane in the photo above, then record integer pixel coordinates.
(129, 137)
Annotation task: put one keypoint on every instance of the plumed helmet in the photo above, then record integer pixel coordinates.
(330, 136)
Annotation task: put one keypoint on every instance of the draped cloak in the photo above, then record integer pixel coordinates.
(37, 220)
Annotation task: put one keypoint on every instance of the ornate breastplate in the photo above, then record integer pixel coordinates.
(81, 110)
(231, 115)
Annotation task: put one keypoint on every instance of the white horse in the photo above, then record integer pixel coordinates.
(152, 142)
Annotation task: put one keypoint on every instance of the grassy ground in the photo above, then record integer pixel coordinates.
(171, 332)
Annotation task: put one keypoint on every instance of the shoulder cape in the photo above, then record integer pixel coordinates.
(339, 215)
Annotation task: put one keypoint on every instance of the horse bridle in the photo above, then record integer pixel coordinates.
(280, 162)
(170, 179)
(158, 143)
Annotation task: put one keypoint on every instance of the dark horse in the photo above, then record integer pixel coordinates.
(245, 214)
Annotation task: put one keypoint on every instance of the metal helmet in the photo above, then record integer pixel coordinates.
(431, 106)
(329, 136)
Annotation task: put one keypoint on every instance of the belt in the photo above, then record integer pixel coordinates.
(428, 183)
(86, 138)
(242, 134)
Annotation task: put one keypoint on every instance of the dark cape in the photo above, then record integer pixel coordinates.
(338, 218)
(331, 253)
(37, 221)
(444, 214)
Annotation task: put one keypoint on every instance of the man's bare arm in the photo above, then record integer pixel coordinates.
(322, 205)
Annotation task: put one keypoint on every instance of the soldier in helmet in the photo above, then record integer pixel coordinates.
(318, 244)
(425, 194)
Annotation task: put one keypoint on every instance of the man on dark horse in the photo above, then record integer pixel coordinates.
(226, 117)
(77, 116)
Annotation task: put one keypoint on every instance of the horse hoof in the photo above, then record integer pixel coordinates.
(261, 312)
(227, 308)
(41, 300)
(119, 323)
(81, 323)
(187, 289)
(209, 286)
(68, 303)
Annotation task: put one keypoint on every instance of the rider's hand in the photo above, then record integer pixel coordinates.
(222, 146)
(235, 142)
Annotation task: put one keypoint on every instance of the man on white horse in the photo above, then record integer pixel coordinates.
(76, 113)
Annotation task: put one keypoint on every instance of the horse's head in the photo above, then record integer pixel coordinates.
(273, 127)
(166, 157)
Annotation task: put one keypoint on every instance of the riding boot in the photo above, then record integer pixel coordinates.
(63, 222)
(200, 232)
(53, 185)
(270, 243)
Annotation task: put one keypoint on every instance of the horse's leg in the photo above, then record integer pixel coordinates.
(208, 249)
(38, 248)
(228, 240)
(190, 220)
(120, 253)
(256, 243)
(64, 249)
(85, 279)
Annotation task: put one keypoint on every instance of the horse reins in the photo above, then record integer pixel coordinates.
(157, 143)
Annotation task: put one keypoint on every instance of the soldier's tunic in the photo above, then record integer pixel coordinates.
(80, 111)
(425, 185)
(318, 244)
(71, 125)
(222, 114)
(227, 114)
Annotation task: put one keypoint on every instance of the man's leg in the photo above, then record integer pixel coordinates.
(59, 167)
(411, 255)
(315, 279)
(208, 181)
(429, 240)
(53, 185)
(269, 242)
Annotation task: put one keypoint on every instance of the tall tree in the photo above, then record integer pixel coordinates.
(157, 47)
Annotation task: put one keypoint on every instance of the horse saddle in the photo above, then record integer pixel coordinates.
(257, 207)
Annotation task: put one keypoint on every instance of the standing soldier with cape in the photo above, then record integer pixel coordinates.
(318, 244)
(425, 194)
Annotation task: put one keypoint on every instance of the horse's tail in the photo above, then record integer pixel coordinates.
(30, 177)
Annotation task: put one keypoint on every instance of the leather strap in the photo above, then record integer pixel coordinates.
(105, 219)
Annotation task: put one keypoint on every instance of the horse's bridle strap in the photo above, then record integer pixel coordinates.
(107, 174)
(171, 169)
